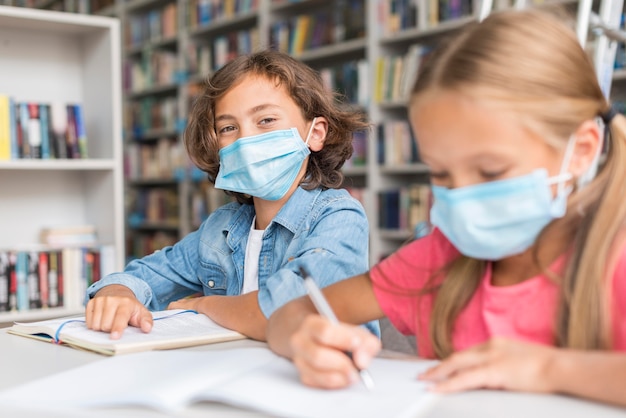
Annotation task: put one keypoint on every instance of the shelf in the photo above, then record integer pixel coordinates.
(297, 6)
(153, 135)
(162, 90)
(619, 75)
(240, 21)
(393, 105)
(416, 168)
(171, 43)
(156, 226)
(60, 165)
(418, 34)
(169, 182)
(340, 49)
(138, 5)
(395, 234)
(354, 171)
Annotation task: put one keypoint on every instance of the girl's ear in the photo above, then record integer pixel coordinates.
(318, 133)
(588, 142)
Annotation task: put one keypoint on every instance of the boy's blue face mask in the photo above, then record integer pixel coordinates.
(497, 219)
(265, 165)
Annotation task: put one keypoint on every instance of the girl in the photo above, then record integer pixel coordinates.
(265, 130)
(524, 277)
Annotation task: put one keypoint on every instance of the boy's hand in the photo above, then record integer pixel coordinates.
(319, 352)
(115, 307)
(496, 364)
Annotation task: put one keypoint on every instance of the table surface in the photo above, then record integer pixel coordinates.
(24, 359)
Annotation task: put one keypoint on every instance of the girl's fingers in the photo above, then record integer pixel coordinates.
(457, 362)
(467, 379)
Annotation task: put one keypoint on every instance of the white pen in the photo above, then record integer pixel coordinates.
(324, 309)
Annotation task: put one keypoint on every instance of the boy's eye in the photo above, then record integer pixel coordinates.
(225, 129)
(265, 121)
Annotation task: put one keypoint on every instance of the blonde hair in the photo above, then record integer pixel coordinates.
(530, 62)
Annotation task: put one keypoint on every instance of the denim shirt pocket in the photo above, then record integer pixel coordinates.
(213, 279)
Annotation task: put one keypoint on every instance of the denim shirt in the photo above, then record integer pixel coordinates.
(324, 231)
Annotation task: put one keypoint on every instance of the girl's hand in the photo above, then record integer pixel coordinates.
(496, 364)
(319, 352)
(115, 307)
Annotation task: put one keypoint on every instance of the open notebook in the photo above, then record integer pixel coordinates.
(253, 378)
(172, 329)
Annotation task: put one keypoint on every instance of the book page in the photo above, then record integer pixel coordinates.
(172, 328)
(253, 378)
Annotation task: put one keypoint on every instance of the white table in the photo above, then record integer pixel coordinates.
(23, 359)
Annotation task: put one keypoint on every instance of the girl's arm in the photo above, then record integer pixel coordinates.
(515, 365)
(316, 346)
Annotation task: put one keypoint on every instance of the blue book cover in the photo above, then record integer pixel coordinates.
(21, 273)
(15, 154)
(81, 135)
(45, 138)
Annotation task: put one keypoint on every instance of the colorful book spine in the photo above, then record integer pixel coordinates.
(5, 128)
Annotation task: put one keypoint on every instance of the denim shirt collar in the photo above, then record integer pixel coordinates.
(291, 216)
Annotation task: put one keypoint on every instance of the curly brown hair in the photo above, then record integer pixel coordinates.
(305, 87)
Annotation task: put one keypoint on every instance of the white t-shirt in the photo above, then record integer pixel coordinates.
(251, 263)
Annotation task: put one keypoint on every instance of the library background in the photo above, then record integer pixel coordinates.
(94, 100)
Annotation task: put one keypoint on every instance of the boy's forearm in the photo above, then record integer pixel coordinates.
(240, 313)
(596, 375)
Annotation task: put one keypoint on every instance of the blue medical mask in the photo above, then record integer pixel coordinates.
(265, 165)
(497, 219)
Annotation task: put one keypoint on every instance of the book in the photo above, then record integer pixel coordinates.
(251, 377)
(172, 329)
(5, 128)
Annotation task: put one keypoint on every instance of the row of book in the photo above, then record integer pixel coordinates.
(153, 161)
(203, 12)
(154, 68)
(149, 114)
(404, 208)
(395, 75)
(350, 80)
(48, 278)
(204, 200)
(397, 15)
(143, 243)
(41, 130)
(153, 25)
(359, 150)
(396, 144)
(153, 206)
(305, 32)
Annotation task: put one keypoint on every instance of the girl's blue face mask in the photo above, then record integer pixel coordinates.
(265, 165)
(498, 219)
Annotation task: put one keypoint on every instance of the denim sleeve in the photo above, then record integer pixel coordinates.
(333, 248)
(161, 277)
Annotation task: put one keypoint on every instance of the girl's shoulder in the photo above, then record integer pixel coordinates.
(417, 261)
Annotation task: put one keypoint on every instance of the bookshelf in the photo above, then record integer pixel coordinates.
(364, 35)
(49, 56)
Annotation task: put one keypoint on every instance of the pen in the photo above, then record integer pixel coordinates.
(324, 309)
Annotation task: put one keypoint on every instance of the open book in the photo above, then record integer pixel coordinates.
(252, 378)
(171, 329)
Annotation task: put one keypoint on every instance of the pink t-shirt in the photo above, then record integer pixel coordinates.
(524, 311)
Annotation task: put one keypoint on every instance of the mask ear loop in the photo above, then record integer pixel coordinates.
(563, 174)
(308, 136)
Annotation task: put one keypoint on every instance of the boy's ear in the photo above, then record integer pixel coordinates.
(588, 140)
(318, 133)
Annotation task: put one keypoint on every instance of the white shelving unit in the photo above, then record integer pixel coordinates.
(51, 56)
